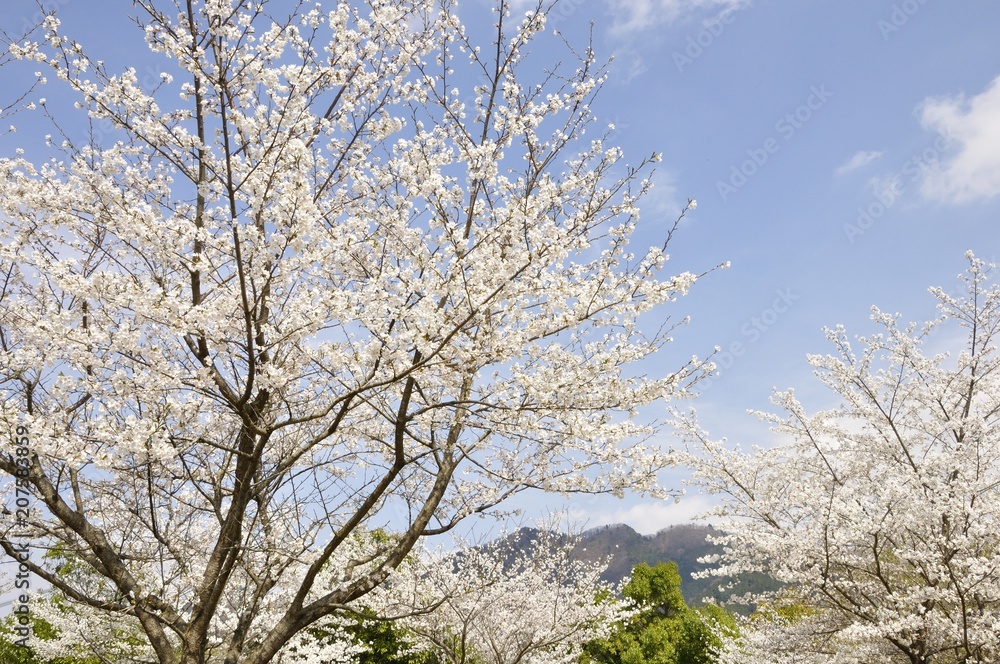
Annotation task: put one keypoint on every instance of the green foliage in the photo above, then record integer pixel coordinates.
(658, 588)
(665, 630)
(12, 653)
(386, 643)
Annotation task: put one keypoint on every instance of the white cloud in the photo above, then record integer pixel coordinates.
(857, 161)
(636, 15)
(663, 200)
(887, 188)
(972, 127)
(647, 518)
(628, 64)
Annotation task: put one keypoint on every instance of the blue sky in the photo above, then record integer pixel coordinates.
(843, 153)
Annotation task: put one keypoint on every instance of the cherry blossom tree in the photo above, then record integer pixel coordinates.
(881, 514)
(497, 604)
(338, 271)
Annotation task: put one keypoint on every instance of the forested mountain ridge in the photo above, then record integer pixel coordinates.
(683, 544)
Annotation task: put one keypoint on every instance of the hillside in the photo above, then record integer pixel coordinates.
(682, 544)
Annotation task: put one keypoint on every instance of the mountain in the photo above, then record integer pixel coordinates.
(626, 548)
(682, 544)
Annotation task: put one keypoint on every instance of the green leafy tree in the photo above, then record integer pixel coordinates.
(386, 643)
(665, 630)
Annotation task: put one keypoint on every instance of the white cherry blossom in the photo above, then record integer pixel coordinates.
(299, 291)
(879, 516)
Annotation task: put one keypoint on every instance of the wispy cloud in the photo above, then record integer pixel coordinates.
(639, 15)
(628, 63)
(857, 161)
(972, 126)
(887, 186)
